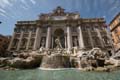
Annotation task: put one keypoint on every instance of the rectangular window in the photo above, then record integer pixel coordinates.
(43, 42)
(33, 29)
(96, 41)
(74, 29)
(87, 41)
(84, 28)
(75, 41)
(17, 30)
(26, 30)
(44, 30)
(92, 28)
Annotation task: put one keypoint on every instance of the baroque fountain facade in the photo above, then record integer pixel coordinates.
(60, 40)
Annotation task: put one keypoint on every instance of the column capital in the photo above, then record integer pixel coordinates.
(49, 24)
(79, 23)
(65, 34)
(39, 25)
(68, 24)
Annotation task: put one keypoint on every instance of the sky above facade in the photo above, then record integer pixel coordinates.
(12, 11)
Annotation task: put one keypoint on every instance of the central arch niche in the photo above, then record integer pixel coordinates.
(59, 33)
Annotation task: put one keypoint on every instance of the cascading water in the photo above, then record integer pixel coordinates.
(56, 60)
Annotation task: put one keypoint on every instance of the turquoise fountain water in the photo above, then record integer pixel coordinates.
(67, 74)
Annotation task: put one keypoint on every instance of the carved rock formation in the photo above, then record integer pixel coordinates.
(85, 60)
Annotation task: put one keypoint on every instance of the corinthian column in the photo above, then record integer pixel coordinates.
(48, 40)
(69, 38)
(91, 39)
(37, 39)
(65, 41)
(28, 41)
(81, 42)
(100, 37)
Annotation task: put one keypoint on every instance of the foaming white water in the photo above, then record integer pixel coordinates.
(48, 68)
(56, 68)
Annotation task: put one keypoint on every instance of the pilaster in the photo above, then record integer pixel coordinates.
(28, 42)
(11, 41)
(37, 39)
(20, 40)
(69, 38)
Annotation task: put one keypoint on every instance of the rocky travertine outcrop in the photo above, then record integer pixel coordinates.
(94, 59)
(23, 60)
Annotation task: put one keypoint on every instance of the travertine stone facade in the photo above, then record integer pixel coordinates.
(115, 30)
(69, 28)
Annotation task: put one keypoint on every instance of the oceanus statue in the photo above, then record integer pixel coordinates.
(58, 43)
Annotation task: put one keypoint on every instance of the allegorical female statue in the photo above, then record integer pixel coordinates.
(42, 45)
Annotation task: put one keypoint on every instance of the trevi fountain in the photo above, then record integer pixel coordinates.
(60, 46)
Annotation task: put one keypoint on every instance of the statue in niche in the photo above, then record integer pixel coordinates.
(105, 39)
(58, 43)
(42, 45)
(75, 42)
